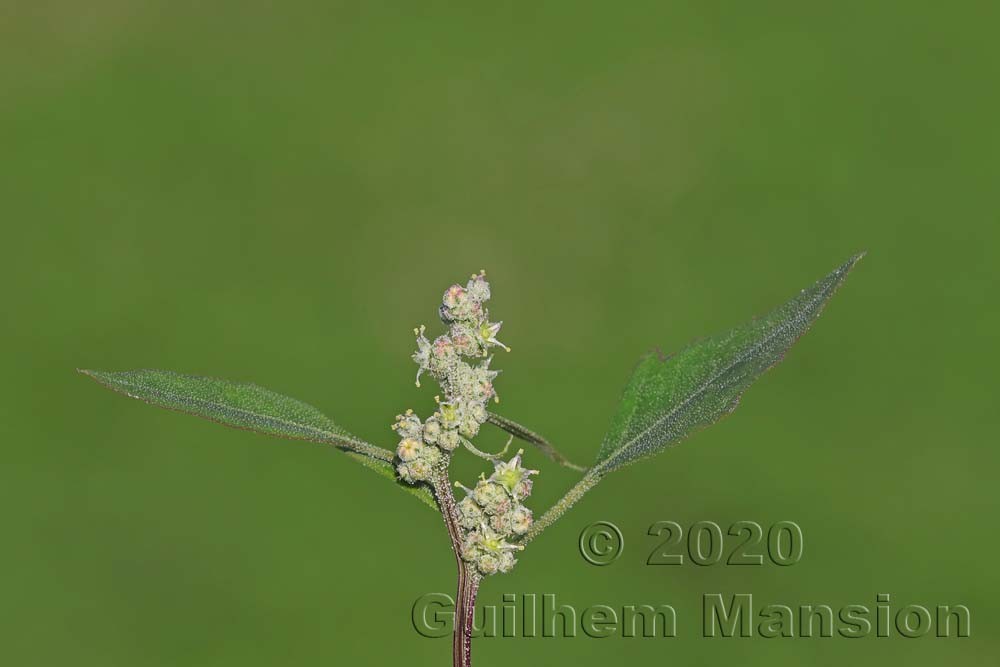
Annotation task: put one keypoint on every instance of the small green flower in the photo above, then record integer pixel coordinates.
(512, 476)
(487, 333)
(490, 552)
(448, 414)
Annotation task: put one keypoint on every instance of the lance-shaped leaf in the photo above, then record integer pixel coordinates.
(669, 397)
(249, 407)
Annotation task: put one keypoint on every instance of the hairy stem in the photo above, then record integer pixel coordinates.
(572, 496)
(468, 578)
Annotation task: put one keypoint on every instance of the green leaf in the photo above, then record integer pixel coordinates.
(668, 398)
(249, 407)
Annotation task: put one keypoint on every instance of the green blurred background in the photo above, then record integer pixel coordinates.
(279, 192)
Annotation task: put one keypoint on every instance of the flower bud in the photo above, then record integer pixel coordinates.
(432, 430)
(500, 523)
(448, 440)
(430, 455)
(409, 449)
(443, 349)
(420, 471)
(507, 562)
(463, 339)
(522, 490)
(408, 426)
(469, 427)
(453, 296)
(470, 547)
(491, 497)
(469, 514)
(521, 519)
(488, 564)
(457, 305)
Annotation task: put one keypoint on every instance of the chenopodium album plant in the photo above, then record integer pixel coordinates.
(665, 400)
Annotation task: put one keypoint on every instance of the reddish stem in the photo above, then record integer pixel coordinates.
(468, 579)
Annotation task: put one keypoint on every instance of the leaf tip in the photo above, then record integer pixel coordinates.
(855, 258)
(92, 374)
(100, 377)
(840, 273)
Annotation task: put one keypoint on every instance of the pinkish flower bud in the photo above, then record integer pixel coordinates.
(453, 296)
(521, 519)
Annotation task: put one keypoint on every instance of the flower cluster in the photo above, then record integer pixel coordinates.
(493, 518)
(470, 334)
(419, 450)
(467, 388)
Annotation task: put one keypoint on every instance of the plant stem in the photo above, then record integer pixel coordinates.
(528, 435)
(585, 484)
(468, 578)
